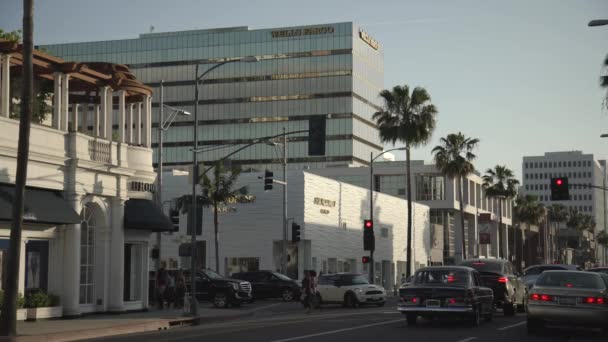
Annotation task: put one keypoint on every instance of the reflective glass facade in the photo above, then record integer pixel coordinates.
(324, 69)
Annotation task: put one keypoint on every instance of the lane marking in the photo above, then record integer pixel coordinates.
(337, 331)
(512, 326)
(468, 339)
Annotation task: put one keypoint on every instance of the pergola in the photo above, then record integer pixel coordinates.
(93, 98)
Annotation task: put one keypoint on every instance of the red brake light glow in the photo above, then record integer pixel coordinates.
(594, 300)
(451, 279)
(503, 280)
(601, 300)
(534, 296)
(568, 285)
(590, 300)
(541, 297)
(452, 300)
(545, 298)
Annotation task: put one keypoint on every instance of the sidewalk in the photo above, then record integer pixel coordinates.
(101, 325)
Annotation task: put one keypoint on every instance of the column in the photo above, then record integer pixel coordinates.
(70, 295)
(21, 284)
(5, 76)
(96, 120)
(110, 115)
(121, 115)
(117, 255)
(103, 113)
(65, 103)
(57, 100)
(75, 114)
(145, 139)
(130, 124)
(138, 125)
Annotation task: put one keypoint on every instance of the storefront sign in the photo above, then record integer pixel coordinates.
(241, 199)
(223, 210)
(369, 40)
(324, 202)
(302, 32)
(143, 187)
(324, 211)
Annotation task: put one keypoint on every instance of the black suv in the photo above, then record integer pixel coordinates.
(221, 291)
(500, 276)
(268, 284)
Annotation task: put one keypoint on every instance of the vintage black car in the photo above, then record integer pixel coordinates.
(268, 284)
(446, 292)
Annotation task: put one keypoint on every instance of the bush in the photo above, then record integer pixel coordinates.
(37, 300)
(20, 300)
(53, 300)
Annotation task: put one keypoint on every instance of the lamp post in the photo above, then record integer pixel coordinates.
(163, 125)
(598, 22)
(193, 208)
(371, 210)
(285, 219)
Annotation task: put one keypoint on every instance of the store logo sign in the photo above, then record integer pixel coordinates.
(369, 40)
(303, 32)
(324, 202)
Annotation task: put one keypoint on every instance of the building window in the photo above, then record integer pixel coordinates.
(579, 163)
(384, 232)
(560, 164)
(544, 164)
(236, 265)
(430, 188)
(87, 260)
(525, 165)
(392, 185)
(436, 217)
(527, 187)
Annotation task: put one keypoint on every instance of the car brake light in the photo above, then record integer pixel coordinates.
(541, 297)
(413, 300)
(451, 279)
(534, 296)
(601, 300)
(503, 280)
(545, 298)
(594, 300)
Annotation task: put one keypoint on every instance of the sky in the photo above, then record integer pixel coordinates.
(520, 75)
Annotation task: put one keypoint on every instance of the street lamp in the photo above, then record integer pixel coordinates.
(285, 219)
(598, 22)
(193, 208)
(371, 209)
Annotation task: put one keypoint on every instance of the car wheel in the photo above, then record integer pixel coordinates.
(534, 326)
(350, 301)
(411, 319)
(287, 295)
(508, 309)
(220, 300)
(475, 319)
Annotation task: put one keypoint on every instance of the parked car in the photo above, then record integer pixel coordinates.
(568, 297)
(269, 284)
(349, 289)
(499, 275)
(447, 291)
(598, 270)
(221, 291)
(531, 273)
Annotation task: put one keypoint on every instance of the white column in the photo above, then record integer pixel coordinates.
(57, 100)
(5, 76)
(138, 125)
(21, 286)
(121, 115)
(130, 124)
(65, 103)
(110, 117)
(117, 256)
(75, 114)
(96, 120)
(70, 296)
(145, 139)
(103, 113)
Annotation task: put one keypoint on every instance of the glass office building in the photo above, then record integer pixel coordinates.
(334, 70)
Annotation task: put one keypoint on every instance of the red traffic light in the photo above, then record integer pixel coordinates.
(365, 259)
(368, 224)
(559, 181)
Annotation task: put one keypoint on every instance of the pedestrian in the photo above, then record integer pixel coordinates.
(306, 291)
(313, 290)
(403, 278)
(180, 289)
(161, 285)
(170, 290)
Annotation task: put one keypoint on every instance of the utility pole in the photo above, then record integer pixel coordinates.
(371, 214)
(284, 253)
(159, 190)
(193, 207)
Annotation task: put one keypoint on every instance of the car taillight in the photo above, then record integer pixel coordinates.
(541, 297)
(503, 280)
(594, 300)
(456, 301)
(410, 300)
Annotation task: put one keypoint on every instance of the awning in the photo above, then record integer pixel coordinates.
(143, 214)
(40, 206)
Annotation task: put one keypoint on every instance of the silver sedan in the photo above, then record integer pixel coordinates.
(568, 297)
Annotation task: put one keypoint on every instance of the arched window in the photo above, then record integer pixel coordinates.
(87, 229)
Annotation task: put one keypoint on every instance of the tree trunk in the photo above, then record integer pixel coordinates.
(464, 249)
(505, 251)
(217, 238)
(408, 175)
(529, 244)
(8, 316)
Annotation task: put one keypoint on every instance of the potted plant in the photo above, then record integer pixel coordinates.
(21, 312)
(42, 305)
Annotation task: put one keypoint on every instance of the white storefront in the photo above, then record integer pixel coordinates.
(331, 215)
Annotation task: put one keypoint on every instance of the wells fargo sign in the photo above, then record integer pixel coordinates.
(324, 202)
(369, 40)
(302, 32)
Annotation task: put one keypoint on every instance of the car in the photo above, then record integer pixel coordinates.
(598, 270)
(221, 291)
(499, 275)
(531, 273)
(446, 291)
(349, 289)
(568, 297)
(269, 284)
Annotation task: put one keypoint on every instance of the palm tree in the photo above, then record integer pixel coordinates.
(407, 117)
(604, 80)
(217, 191)
(558, 213)
(529, 211)
(602, 239)
(500, 183)
(454, 157)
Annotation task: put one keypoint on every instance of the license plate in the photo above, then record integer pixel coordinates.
(567, 300)
(431, 303)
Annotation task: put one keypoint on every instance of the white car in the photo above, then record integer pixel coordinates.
(349, 289)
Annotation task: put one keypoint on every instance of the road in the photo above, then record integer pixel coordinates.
(284, 322)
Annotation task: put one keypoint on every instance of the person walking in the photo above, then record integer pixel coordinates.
(170, 291)
(180, 289)
(306, 291)
(161, 283)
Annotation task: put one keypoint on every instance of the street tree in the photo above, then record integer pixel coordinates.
(407, 117)
(558, 214)
(529, 212)
(454, 159)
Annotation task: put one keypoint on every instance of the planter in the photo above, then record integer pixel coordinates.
(21, 314)
(46, 312)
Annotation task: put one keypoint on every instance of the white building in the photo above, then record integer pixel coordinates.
(89, 170)
(582, 171)
(331, 215)
(432, 189)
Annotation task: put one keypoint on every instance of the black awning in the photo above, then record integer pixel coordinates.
(143, 214)
(40, 206)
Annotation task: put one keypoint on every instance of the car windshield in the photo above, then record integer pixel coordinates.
(354, 280)
(570, 279)
(541, 269)
(483, 266)
(441, 277)
(212, 275)
(281, 276)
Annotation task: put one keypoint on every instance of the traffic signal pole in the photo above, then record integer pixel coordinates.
(284, 251)
(371, 213)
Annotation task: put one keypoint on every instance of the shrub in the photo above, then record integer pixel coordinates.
(20, 300)
(37, 300)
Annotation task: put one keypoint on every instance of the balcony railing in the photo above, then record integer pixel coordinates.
(100, 151)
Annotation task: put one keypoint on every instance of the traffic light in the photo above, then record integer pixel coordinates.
(316, 135)
(155, 253)
(295, 232)
(365, 259)
(559, 189)
(369, 241)
(268, 180)
(174, 216)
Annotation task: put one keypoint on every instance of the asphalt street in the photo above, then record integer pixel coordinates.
(283, 322)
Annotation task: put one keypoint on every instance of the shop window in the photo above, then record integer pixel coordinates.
(87, 229)
(36, 265)
(133, 270)
(242, 264)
